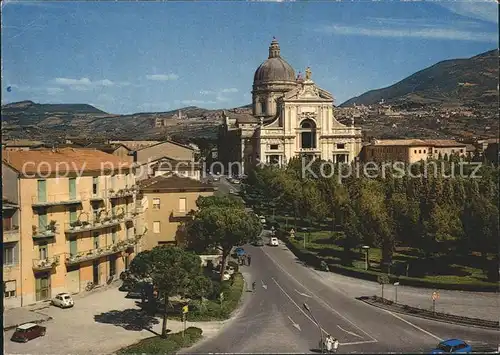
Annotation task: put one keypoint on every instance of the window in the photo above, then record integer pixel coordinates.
(42, 221)
(452, 151)
(72, 215)
(10, 289)
(7, 223)
(274, 146)
(112, 265)
(182, 204)
(420, 151)
(461, 150)
(113, 235)
(340, 145)
(10, 253)
(96, 241)
(43, 251)
(113, 181)
(424, 151)
(113, 208)
(156, 227)
(95, 185)
(156, 203)
(415, 151)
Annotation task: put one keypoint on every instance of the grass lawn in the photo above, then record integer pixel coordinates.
(171, 345)
(325, 245)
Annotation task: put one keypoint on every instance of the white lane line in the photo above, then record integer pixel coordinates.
(302, 294)
(313, 322)
(348, 332)
(319, 298)
(413, 325)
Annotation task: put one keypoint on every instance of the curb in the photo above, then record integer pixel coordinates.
(467, 322)
(35, 321)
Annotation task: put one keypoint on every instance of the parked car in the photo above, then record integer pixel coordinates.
(63, 300)
(28, 331)
(239, 251)
(452, 346)
(273, 241)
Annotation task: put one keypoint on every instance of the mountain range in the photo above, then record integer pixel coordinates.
(469, 83)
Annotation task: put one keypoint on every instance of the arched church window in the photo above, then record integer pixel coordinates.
(308, 134)
(263, 107)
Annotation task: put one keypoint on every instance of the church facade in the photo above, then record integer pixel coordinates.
(290, 117)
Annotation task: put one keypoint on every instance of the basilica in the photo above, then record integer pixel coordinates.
(291, 116)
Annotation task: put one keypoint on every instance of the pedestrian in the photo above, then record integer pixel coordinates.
(253, 286)
(329, 343)
(249, 259)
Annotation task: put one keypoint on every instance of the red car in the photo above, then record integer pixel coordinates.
(28, 331)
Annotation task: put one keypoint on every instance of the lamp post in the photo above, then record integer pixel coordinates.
(304, 231)
(396, 284)
(366, 248)
(317, 323)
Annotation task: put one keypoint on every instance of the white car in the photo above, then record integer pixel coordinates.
(63, 300)
(273, 241)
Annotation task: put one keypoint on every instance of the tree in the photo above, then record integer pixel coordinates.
(171, 271)
(221, 226)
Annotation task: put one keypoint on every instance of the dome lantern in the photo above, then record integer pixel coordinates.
(274, 49)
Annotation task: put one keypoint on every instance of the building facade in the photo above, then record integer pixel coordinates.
(411, 150)
(291, 117)
(76, 220)
(169, 200)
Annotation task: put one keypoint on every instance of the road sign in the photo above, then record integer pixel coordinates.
(435, 295)
(185, 309)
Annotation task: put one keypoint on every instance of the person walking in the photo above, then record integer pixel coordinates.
(249, 259)
(335, 345)
(329, 343)
(253, 286)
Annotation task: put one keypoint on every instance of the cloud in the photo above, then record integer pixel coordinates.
(207, 92)
(218, 93)
(231, 90)
(162, 77)
(479, 10)
(427, 33)
(54, 91)
(221, 98)
(85, 84)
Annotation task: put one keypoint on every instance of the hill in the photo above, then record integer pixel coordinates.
(462, 82)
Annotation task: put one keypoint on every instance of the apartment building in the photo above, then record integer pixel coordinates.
(410, 150)
(11, 242)
(75, 217)
(170, 198)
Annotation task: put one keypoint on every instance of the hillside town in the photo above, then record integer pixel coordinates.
(289, 225)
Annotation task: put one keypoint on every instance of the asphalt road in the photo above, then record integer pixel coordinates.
(273, 319)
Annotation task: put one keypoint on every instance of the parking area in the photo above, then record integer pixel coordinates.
(99, 323)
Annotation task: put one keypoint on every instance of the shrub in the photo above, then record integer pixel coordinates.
(158, 345)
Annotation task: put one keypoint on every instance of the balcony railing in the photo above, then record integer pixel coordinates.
(11, 234)
(100, 252)
(125, 192)
(46, 264)
(308, 150)
(44, 232)
(58, 199)
(84, 226)
(180, 214)
(99, 196)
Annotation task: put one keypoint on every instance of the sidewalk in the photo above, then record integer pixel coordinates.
(483, 305)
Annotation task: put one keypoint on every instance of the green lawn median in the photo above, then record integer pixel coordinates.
(169, 345)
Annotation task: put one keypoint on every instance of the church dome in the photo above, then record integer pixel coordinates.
(274, 68)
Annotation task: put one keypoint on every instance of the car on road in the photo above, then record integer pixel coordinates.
(452, 346)
(273, 241)
(28, 331)
(63, 300)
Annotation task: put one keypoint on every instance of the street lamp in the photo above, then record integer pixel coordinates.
(317, 323)
(396, 284)
(366, 248)
(304, 230)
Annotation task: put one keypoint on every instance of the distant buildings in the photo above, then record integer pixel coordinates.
(411, 150)
(164, 121)
(70, 219)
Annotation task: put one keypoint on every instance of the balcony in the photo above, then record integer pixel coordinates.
(98, 196)
(49, 231)
(92, 254)
(45, 264)
(125, 192)
(11, 234)
(57, 199)
(107, 222)
(176, 214)
(308, 150)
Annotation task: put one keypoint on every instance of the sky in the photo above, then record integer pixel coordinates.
(127, 57)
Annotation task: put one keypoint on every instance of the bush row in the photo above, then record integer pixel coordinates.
(158, 345)
(313, 260)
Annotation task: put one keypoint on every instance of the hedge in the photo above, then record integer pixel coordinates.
(370, 275)
(170, 345)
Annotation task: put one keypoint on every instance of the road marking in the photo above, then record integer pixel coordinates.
(359, 342)
(263, 284)
(413, 325)
(296, 325)
(319, 298)
(302, 294)
(356, 335)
